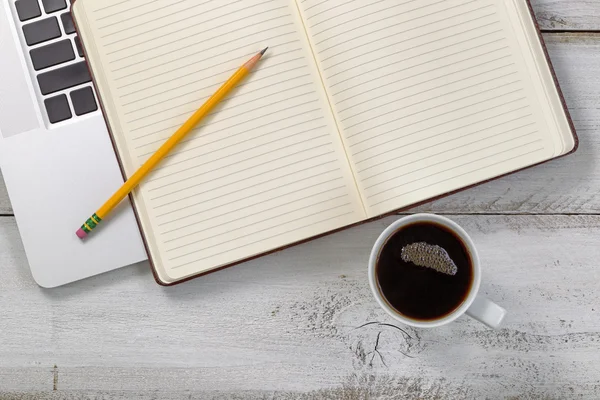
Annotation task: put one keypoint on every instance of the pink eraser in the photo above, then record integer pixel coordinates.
(81, 233)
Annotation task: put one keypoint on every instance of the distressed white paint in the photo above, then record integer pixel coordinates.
(288, 323)
(581, 15)
(284, 326)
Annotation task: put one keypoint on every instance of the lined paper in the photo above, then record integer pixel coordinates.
(361, 107)
(430, 95)
(266, 169)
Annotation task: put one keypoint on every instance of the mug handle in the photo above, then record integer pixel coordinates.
(487, 312)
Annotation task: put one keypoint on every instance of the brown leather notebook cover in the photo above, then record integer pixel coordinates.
(572, 127)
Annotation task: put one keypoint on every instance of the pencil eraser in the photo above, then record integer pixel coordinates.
(81, 233)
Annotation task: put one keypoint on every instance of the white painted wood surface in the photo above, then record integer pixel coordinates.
(287, 323)
(285, 326)
(582, 15)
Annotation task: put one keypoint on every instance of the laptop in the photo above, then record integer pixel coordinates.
(55, 153)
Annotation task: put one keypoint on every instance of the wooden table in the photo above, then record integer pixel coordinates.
(287, 325)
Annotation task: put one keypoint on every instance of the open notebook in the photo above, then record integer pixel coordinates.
(359, 108)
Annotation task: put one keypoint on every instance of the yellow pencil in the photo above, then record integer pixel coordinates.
(186, 128)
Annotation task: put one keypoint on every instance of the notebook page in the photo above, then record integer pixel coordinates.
(265, 170)
(430, 95)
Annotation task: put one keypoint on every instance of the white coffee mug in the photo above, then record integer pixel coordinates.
(475, 306)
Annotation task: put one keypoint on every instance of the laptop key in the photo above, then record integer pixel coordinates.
(53, 5)
(41, 31)
(64, 78)
(78, 45)
(57, 108)
(52, 54)
(83, 101)
(67, 22)
(27, 9)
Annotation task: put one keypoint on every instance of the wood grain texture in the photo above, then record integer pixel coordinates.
(580, 15)
(287, 325)
(568, 185)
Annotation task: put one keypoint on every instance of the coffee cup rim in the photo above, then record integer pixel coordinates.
(463, 235)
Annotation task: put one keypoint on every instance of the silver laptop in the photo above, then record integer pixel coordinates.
(55, 153)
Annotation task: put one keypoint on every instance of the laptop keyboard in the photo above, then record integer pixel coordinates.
(57, 57)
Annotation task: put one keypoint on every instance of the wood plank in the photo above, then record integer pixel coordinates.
(569, 185)
(581, 15)
(286, 325)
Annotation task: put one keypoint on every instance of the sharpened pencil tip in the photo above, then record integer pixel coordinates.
(263, 52)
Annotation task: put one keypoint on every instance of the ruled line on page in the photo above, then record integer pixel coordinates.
(190, 111)
(440, 124)
(172, 220)
(195, 34)
(174, 23)
(248, 187)
(237, 219)
(151, 39)
(344, 12)
(481, 139)
(446, 113)
(414, 47)
(183, 67)
(154, 57)
(276, 216)
(401, 23)
(462, 22)
(268, 238)
(315, 5)
(194, 185)
(138, 14)
(336, 6)
(455, 167)
(158, 18)
(235, 154)
(263, 230)
(191, 196)
(189, 55)
(236, 210)
(373, 23)
(354, 95)
(317, 33)
(212, 132)
(395, 100)
(201, 155)
(395, 110)
(179, 152)
(218, 84)
(190, 149)
(389, 150)
(437, 115)
(347, 88)
(218, 121)
(112, 5)
(466, 173)
(197, 89)
(200, 99)
(404, 88)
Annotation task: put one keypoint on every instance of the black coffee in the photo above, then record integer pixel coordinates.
(422, 293)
